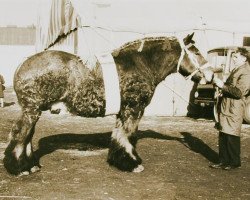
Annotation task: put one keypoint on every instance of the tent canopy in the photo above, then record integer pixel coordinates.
(141, 17)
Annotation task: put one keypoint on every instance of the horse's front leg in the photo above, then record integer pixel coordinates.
(122, 153)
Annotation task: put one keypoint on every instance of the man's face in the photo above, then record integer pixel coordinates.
(238, 59)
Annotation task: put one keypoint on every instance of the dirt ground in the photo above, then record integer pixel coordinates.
(176, 152)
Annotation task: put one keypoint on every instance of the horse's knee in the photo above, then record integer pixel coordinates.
(26, 122)
(15, 129)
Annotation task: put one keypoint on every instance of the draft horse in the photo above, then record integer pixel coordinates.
(50, 77)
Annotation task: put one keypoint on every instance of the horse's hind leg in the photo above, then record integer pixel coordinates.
(19, 156)
(122, 153)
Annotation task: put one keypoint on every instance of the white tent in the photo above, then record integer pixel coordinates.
(96, 26)
(118, 21)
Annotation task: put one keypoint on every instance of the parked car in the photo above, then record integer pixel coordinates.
(221, 59)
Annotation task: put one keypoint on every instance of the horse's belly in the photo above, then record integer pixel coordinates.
(87, 100)
(84, 109)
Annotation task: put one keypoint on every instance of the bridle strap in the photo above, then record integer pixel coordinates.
(183, 47)
(192, 74)
(180, 59)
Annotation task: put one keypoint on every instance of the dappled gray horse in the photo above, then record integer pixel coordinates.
(50, 77)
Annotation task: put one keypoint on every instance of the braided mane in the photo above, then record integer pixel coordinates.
(148, 42)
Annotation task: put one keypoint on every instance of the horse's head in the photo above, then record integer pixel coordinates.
(192, 64)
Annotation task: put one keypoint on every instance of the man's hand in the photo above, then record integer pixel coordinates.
(208, 74)
(218, 82)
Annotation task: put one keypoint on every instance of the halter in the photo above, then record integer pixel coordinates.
(184, 48)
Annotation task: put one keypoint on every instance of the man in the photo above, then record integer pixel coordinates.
(234, 92)
(1, 90)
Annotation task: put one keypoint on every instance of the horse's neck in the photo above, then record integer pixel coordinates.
(156, 68)
(164, 66)
(143, 67)
(153, 62)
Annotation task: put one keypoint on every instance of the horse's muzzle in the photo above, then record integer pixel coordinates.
(203, 76)
(198, 77)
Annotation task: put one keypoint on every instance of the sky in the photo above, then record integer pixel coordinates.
(132, 12)
(158, 14)
(18, 12)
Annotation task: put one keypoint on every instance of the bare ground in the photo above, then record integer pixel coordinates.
(176, 152)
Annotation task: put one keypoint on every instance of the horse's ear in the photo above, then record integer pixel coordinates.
(188, 39)
(191, 36)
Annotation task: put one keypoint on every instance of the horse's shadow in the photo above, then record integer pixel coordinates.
(193, 143)
(197, 145)
(98, 141)
(67, 141)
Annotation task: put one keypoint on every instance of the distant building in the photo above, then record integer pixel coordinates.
(13, 35)
(16, 44)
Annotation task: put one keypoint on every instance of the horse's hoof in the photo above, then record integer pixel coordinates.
(35, 169)
(138, 169)
(24, 173)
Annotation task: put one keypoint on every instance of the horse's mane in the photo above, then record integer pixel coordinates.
(147, 42)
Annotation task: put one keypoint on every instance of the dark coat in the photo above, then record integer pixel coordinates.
(235, 91)
(1, 86)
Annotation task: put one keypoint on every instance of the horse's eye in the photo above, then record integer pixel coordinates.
(197, 53)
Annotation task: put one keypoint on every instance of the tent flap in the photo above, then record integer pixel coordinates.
(63, 20)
